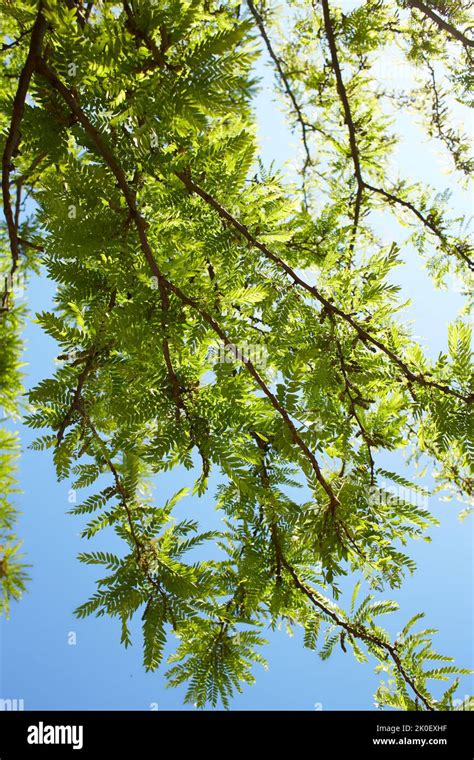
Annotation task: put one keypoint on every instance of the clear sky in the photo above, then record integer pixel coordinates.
(38, 662)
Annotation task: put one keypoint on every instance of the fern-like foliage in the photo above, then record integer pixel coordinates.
(211, 316)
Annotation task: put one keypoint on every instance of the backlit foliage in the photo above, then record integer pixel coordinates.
(133, 128)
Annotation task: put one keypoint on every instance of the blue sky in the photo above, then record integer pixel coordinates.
(37, 661)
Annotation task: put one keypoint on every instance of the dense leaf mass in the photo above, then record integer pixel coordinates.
(212, 315)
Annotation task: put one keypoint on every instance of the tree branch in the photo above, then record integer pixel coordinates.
(362, 184)
(342, 92)
(358, 632)
(9, 45)
(141, 549)
(134, 29)
(286, 84)
(427, 11)
(141, 226)
(353, 409)
(77, 398)
(13, 136)
(330, 307)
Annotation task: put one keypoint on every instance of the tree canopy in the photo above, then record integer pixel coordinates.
(215, 314)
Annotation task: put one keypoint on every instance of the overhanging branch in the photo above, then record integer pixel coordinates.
(441, 22)
(141, 227)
